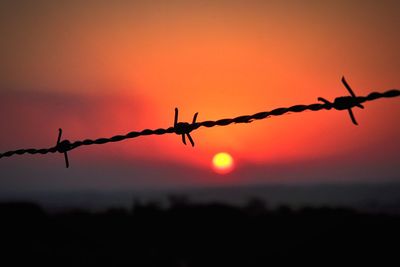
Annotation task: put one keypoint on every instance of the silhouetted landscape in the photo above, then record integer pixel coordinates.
(363, 197)
(179, 232)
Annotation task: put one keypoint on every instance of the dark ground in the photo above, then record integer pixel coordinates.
(186, 234)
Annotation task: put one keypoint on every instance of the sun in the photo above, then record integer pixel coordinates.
(222, 163)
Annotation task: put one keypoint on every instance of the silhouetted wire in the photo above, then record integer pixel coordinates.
(184, 129)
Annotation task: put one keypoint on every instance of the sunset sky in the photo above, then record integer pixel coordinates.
(101, 68)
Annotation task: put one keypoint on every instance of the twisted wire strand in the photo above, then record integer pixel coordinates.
(184, 128)
(296, 108)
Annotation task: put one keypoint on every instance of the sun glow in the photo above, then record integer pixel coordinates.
(222, 162)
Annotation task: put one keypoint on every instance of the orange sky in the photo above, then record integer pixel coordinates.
(99, 69)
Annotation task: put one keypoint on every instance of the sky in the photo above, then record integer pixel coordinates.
(101, 68)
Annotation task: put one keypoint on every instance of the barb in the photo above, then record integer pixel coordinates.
(184, 128)
(63, 147)
(345, 102)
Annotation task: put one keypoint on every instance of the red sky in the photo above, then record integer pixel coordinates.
(100, 69)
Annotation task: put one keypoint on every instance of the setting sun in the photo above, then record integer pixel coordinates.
(222, 162)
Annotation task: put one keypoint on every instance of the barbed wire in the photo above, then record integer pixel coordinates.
(184, 128)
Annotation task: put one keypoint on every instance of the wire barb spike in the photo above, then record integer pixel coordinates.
(63, 147)
(344, 102)
(184, 128)
(352, 101)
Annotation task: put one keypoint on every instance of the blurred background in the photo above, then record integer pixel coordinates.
(101, 68)
(97, 69)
